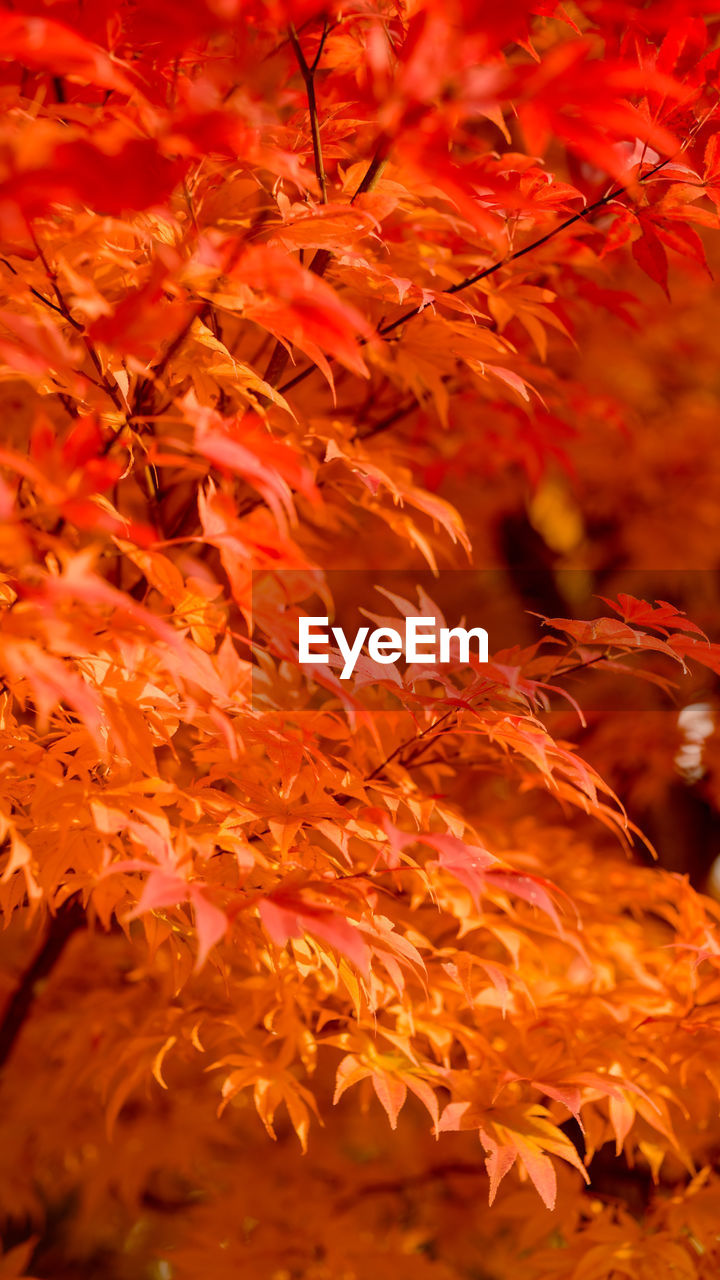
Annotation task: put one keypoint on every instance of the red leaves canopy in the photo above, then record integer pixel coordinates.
(287, 291)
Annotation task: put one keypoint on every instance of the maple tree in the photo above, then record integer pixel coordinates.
(417, 976)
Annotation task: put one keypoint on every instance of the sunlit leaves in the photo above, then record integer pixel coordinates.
(418, 895)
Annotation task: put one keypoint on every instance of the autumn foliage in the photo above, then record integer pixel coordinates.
(418, 977)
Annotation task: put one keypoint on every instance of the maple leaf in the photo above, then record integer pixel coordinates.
(165, 888)
(519, 1134)
(611, 632)
(650, 256)
(297, 306)
(391, 1078)
(661, 616)
(289, 913)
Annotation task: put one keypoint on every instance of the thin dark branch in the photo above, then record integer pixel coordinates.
(410, 314)
(397, 415)
(374, 170)
(380, 769)
(321, 259)
(202, 309)
(316, 60)
(308, 75)
(389, 420)
(611, 195)
(421, 740)
(276, 364)
(280, 354)
(68, 920)
(41, 296)
(281, 45)
(110, 388)
(580, 666)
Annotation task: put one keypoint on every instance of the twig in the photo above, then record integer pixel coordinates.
(111, 388)
(520, 253)
(420, 737)
(391, 418)
(581, 216)
(322, 258)
(64, 310)
(375, 169)
(40, 296)
(379, 769)
(308, 74)
(280, 354)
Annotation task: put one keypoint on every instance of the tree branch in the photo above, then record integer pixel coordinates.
(280, 354)
(409, 742)
(68, 920)
(40, 296)
(308, 75)
(611, 195)
(111, 388)
(410, 314)
(321, 259)
(375, 169)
